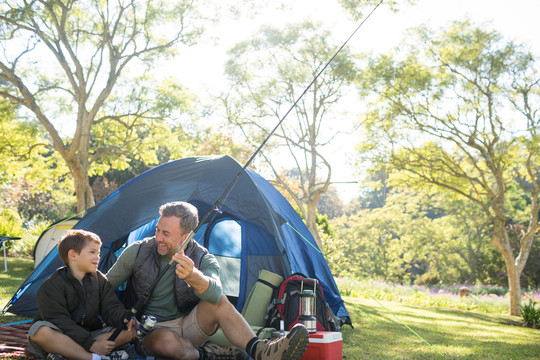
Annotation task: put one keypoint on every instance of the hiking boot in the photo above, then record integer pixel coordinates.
(216, 352)
(290, 347)
(53, 356)
(116, 355)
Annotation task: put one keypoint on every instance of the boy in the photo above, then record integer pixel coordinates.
(75, 303)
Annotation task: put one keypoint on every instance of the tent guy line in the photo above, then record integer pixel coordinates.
(373, 298)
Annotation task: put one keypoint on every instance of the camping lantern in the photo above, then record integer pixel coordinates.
(307, 308)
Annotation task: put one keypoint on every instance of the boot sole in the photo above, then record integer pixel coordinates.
(299, 342)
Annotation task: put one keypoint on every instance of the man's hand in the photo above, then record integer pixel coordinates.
(184, 266)
(102, 347)
(186, 270)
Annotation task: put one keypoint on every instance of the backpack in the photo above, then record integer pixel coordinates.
(285, 304)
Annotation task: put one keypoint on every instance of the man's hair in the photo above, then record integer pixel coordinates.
(75, 240)
(188, 214)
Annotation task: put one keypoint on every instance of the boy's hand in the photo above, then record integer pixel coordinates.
(132, 327)
(102, 347)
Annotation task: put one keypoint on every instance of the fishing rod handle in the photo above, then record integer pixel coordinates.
(125, 321)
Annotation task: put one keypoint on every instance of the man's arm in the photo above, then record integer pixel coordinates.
(121, 270)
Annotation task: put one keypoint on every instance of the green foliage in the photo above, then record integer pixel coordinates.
(438, 233)
(25, 246)
(276, 63)
(359, 8)
(428, 279)
(10, 225)
(330, 204)
(530, 312)
(84, 72)
(436, 123)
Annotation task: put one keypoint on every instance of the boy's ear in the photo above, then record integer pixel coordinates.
(72, 254)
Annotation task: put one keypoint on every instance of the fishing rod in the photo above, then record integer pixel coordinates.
(142, 301)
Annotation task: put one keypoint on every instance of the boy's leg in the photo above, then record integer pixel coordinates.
(53, 341)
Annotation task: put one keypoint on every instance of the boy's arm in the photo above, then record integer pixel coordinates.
(54, 308)
(111, 308)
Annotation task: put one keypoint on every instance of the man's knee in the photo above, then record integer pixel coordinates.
(165, 343)
(222, 303)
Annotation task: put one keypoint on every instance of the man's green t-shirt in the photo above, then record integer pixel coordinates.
(162, 302)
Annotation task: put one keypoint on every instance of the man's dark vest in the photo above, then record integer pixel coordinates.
(146, 270)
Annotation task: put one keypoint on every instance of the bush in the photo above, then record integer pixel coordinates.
(531, 314)
(10, 225)
(25, 246)
(428, 279)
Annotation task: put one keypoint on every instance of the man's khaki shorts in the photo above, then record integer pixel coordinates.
(187, 327)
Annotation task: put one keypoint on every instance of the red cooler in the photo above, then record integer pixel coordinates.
(324, 345)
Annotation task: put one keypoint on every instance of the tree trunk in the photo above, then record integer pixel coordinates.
(311, 222)
(514, 286)
(83, 190)
(501, 242)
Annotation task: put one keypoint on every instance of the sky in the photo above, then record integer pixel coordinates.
(201, 67)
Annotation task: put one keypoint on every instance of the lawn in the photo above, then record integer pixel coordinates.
(18, 271)
(377, 334)
(450, 334)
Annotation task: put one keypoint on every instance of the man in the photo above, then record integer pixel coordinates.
(188, 301)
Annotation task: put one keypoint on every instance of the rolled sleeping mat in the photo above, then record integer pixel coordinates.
(260, 296)
(255, 308)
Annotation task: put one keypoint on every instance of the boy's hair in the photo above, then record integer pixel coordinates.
(75, 240)
(188, 214)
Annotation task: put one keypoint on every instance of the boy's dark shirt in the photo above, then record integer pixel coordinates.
(77, 309)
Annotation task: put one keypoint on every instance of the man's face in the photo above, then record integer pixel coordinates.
(169, 236)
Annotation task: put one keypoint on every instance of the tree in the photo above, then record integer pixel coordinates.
(390, 242)
(269, 72)
(357, 8)
(330, 203)
(30, 175)
(78, 67)
(465, 237)
(459, 111)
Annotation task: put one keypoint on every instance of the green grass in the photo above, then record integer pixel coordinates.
(432, 297)
(18, 271)
(449, 333)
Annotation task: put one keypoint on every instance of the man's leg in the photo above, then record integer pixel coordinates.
(237, 330)
(165, 343)
(53, 341)
(210, 317)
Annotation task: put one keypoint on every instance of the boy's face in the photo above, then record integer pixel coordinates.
(87, 261)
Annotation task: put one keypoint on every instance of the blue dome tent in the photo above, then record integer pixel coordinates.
(255, 228)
